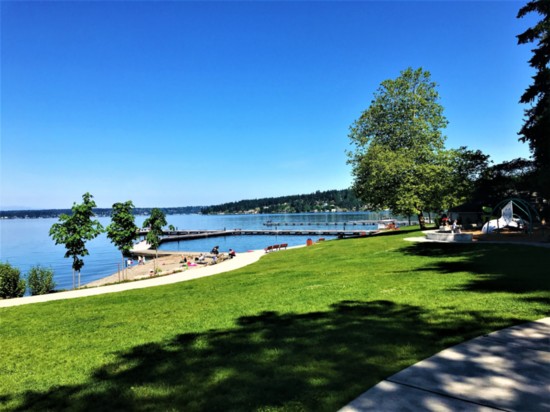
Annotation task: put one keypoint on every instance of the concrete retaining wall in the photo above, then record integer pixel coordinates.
(449, 237)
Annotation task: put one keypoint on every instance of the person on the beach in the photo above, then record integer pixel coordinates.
(215, 252)
(232, 253)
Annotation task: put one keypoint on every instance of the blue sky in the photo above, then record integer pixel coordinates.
(197, 103)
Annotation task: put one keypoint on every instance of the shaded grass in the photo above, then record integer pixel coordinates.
(305, 329)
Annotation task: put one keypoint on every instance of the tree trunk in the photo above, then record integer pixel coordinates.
(421, 221)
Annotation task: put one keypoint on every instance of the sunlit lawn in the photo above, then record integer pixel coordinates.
(303, 329)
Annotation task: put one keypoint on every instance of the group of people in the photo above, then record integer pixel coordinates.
(455, 225)
(216, 251)
(201, 259)
(130, 261)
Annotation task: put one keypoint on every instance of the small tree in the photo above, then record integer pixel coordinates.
(73, 231)
(122, 231)
(155, 223)
(40, 280)
(11, 285)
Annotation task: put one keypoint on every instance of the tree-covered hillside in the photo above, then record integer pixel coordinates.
(330, 200)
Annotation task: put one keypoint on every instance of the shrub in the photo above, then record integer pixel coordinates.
(40, 280)
(11, 285)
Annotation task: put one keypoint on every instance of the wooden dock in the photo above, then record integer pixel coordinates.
(175, 235)
(382, 222)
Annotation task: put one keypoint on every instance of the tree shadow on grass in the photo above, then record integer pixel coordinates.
(315, 361)
(496, 267)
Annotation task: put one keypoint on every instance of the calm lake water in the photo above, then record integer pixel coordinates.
(25, 242)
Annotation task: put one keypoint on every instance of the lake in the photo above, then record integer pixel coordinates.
(26, 242)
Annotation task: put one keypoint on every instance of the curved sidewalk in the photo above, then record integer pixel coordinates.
(241, 260)
(507, 370)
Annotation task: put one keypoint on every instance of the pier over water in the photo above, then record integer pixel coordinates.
(176, 235)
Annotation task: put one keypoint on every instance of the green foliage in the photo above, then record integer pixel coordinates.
(155, 223)
(514, 178)
(468, 168)
(305, 329)
(75, 230)
(536, 129)
(40, 280)
(318, 201)
(399, 160)
(11, 285)
(122, 231)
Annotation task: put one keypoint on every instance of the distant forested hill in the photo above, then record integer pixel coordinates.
(28, 214)
(330, 200)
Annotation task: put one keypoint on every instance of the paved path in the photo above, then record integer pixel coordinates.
(507, 370)
(499, 242)
(241, 260)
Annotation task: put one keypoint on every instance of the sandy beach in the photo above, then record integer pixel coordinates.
(164, 265)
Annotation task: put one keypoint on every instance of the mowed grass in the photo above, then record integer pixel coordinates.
(305, 329)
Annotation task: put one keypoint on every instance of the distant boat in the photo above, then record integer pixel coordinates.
(387, 224)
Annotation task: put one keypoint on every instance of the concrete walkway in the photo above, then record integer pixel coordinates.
(507, 370)
(500, 242)
(241, 260)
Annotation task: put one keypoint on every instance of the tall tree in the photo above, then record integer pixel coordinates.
(513, 178)
(536, 129)
(399, 160)
(154, 223)
(468, 167)
(75, 230)
(123, 231)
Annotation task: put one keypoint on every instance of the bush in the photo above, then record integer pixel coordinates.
(11, 285)
(40, 280)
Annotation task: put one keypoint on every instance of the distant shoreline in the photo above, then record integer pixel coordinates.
(99, 212)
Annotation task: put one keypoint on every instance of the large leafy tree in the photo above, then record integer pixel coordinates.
(122, 231)
(468, 167)
(399, 161)
(536, 129)
(75, 230)
(513, 178)
(154, 223)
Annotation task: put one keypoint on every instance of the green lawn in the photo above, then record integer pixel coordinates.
(304, 329)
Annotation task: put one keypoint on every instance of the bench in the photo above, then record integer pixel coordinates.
(274, 248)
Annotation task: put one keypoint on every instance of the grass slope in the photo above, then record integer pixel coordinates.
(306, 329)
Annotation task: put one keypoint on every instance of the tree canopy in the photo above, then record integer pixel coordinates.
(399, 161)
(123, 231)
(75, 230)
(154, 223)
(536, 128)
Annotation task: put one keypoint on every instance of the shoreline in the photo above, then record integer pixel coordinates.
(239, 261)
(166, 264)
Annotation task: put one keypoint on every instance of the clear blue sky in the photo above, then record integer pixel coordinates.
(197, 103)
